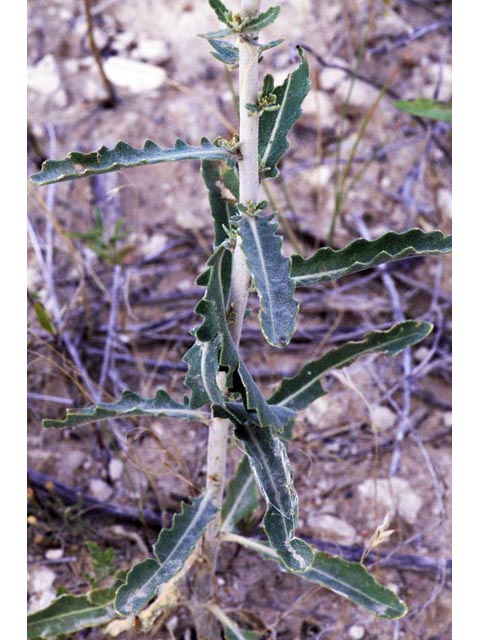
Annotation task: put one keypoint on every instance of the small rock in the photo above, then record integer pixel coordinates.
(100, 37)
(356, 632)
(383, 418)
(444, 202)
(394, 496)
(133, 75)
(123, 41)
(54, 554)
(317, 110)
(115, 469)
(420, 354)
(100, 490)
(154, 51)
(44, 76)
(319, 176)
(331, 78)
(40, 582)
(332, 528)
(360, 97)
(447, 419)
(70, 463)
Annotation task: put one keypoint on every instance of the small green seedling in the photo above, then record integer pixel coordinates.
(223, 394)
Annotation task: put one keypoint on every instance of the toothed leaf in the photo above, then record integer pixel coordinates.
(172, 549)
(271, 275)
(124, 156)
(275, 126)
(130, 405)
(348, 579)
(271, 467)
(330, 264)
(303, 388)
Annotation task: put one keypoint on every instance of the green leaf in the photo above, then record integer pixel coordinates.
(426, 108)
(67, 614)
(224, 51)
(271, 274)
(241, 497)
(348, 579)
(213, 309)
(274, 126)
(221, 180)
(271, 467)
(130, 405)
(123, 156)
(261, 21)
(221, 11)
(172, 549)
(103, 562)
(352, 580)
(303, 388)
(330, 264)
(44, 318)
(228, 53)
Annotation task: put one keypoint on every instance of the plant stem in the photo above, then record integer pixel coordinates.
(207, 626)
(112, 99)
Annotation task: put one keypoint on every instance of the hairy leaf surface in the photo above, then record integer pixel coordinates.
(303, 388)
(68, 614)
(271, 274)
(124, 156)
(274, 126)
(348, 579)
(172, 549)
(271, 467)
(130, 405)
(330, 264)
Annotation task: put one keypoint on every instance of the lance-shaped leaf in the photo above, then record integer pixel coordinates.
(222, 184)
(303, 388)
(348, 579)
(130, 405)
(426, 108)
(271, 274)
(271, 467)
(124, 156)
(224, 51)
(221, 11)
(212, 307)
(274, 126)
(330, 264)
(172, 549)
(68, 614)
(261, 21)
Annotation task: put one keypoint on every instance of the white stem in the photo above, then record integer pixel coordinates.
(247, 166)
(249, 187)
